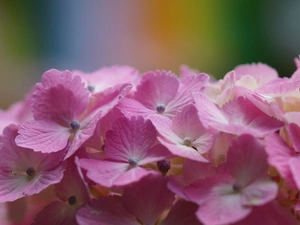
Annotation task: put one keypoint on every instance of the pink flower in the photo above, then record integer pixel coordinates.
(162, 93)
(228, 197)
(184, 135)
(238, 116)
(64, 113)
(25, 172)
(128, 146)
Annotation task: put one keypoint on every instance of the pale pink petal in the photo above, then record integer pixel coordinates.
(130, 139)
(148, 207)
(246, 159)
(261, 72)
(279, 87)
(43, 136)
(109, 76)
(279, 155)
(105, 211)
(182, 213)
(259, 192)
(222, 209)
(60, 97)
(56, 213)
(193, 170)
(157, 88)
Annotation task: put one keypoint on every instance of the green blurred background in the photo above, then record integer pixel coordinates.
(212, 36)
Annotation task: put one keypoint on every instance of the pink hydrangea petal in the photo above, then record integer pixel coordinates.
(157, 88)
(14, 182)
(56, 213)
(182, 213)
(61, 97)
(279, 155)
(156, 153)
(237, 116)
(294, 164)
(105, 211)
(193, 170)
(259, 71)
(72, 184)
(103, 172)
(246, 159)
(259, 192)
(182, 150)
(279, 87)
(220, 210)
(109, 76)
(131, 107)
(186, 123)
(43, 136)
(148, 207)
(294, 133)
(130, 138)
(271, 213)
(105, 101)
(132, 175)
(184, 95)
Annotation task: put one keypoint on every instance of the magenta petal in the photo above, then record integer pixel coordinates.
(148, 207)
(130, 138)
(271, 213)
(105, 211)
(43, 136)
(103, 172)
(246, 159)
(131, 107)
(182, 213)
(56, 213)
(294, 164)
(156, 88)
(294, 133)
(61, 97)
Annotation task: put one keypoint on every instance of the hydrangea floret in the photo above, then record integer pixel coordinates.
(117, 147)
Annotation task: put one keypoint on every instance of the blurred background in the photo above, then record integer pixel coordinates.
(212, 36)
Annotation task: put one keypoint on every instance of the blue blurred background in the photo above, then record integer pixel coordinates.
(213, 36)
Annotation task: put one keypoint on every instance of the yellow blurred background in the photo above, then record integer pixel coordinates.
(212, 36)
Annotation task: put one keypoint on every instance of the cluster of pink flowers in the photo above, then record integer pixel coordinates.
(115, 147)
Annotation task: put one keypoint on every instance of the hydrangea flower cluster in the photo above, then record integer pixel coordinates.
(115, 147)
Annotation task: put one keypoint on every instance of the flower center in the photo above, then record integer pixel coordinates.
(187, 141)
(91, 88)
(132, 161)
(30, 171)
(72, 200)
(237, 187)
(75, 125)
(160, 108)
